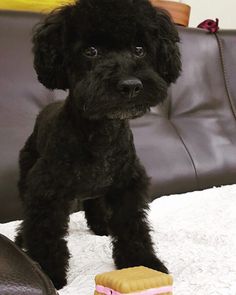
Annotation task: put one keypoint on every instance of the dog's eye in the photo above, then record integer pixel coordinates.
(91, 52)
(139, 51)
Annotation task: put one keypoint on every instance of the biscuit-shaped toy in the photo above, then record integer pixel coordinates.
(138, 280)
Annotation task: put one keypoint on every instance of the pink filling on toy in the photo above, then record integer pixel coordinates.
(153, 291)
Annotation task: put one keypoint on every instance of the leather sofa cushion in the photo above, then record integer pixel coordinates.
(187, 144)
(190, 144)
(21, 98)
(19, 275)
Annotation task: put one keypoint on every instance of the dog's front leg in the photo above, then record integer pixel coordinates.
(132, 244)
(46, 212)
(96, 214)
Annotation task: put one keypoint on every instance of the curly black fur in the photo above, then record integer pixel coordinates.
(83, 147)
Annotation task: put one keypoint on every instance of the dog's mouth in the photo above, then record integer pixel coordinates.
(128, 112)
(123, 111)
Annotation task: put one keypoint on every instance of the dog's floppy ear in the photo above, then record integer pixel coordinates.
(49, 49)
(167, 51)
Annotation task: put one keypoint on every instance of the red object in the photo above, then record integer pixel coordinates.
(210, 25)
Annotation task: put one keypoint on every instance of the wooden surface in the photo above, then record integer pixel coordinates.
(180, 12)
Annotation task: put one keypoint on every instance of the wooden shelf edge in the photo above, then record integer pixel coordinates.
(180, 12)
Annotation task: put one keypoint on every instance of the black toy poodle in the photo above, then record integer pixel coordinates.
(117, 59)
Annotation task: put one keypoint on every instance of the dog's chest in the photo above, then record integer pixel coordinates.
(98, 173)
(95, 173)
(102, 158)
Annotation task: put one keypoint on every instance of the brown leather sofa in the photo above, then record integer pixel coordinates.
(187, 144)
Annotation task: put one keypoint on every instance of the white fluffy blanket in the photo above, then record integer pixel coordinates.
(194, 233)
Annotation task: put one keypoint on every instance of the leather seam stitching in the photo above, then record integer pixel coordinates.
(188, 152)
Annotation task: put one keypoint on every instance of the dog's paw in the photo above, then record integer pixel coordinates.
(148, 261)
(156, 264)
(19, 240)
(59, 282)
(99, 230)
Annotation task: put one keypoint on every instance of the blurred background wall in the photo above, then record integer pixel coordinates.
(225, 10)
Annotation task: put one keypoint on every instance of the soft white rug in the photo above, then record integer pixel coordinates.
(194, 233)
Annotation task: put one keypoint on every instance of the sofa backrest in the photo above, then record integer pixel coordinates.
(189, 143)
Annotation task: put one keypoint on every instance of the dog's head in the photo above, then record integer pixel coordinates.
(116, 57)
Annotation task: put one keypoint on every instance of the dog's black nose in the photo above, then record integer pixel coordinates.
(130, 87)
